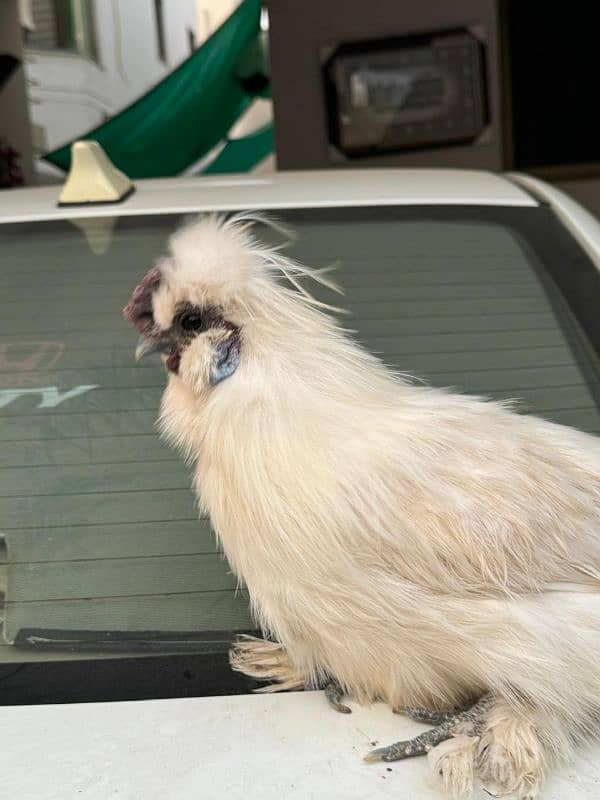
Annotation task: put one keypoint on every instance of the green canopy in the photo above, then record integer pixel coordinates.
(185, 115)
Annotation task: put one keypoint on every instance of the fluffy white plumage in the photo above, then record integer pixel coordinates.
(421, 546)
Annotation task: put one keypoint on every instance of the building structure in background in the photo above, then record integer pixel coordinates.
(470, 84)
(485, 84)
(211, 14)
(87, 59)
(15, 131)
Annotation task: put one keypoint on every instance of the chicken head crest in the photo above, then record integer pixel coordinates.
(185, 307)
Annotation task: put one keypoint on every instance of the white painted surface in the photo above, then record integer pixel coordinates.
(212, 13)
(584, 226)
(70, 94)
(257, 747)
(258, 114)
(317, 189)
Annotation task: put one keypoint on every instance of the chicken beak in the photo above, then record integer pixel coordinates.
(146, 347)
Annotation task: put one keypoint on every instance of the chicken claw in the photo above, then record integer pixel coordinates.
(334, 693)
(465, 723)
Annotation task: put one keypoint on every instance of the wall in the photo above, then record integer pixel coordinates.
(70, 94)
(304, 35)
(211, 14)
(14, 115)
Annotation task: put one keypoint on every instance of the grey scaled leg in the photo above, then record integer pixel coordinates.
(429, 717)
(468, 723)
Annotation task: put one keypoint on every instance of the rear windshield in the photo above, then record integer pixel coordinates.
(106, 573)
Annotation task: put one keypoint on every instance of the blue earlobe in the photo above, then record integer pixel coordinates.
(227, 358)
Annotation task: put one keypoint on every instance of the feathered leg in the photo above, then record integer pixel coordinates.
(269, 661)
(510, 754)
(265, 661)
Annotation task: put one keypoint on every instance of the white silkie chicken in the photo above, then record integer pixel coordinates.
(402, 542)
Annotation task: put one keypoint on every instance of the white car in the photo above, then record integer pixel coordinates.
(112, 590)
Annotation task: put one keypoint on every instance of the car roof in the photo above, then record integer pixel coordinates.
(310, 189)
(245, 747)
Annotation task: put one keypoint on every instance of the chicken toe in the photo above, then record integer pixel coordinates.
(334, 694)
(462, 723)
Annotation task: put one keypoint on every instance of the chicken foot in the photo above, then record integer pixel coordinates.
(459, 723)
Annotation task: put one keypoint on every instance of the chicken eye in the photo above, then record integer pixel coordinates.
(191, 321)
